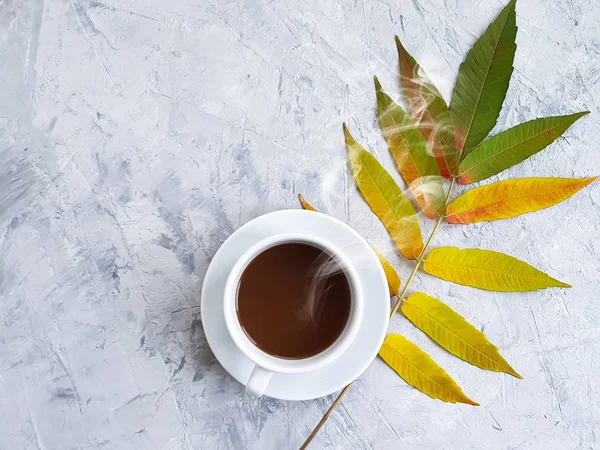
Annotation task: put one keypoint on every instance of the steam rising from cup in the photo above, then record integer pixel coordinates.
(324, 267)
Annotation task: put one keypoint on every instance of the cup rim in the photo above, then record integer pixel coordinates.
(274, 363)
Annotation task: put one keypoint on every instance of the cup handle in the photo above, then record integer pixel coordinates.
(258, 381)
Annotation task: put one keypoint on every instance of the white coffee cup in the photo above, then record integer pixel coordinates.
(267, 365)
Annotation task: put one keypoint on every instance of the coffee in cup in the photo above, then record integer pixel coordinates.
(293, 300)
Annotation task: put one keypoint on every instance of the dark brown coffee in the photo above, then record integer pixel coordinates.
(293, 300)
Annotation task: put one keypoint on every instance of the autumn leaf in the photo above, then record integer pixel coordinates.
(415, 160)
(420, 371)
(305, 204)
(513, 146)
(450, 330)
(391, 275)
(429, 110)
(486, 269)
(386, 199)
(483, 79)
(511, 198)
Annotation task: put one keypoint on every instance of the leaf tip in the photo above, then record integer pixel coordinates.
(305, 204)
(587, 181)
(580, 114)
(468, 401)
(377, 83)
(399, 46)
(301, 199)
(510, 371)
(350, 142)
(347, 134)
(553, 282)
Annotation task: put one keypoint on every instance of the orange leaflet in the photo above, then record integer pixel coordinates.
(511, 198)
(415, 160)
(429, 109)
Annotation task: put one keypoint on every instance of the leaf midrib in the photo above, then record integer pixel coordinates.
(445, 263)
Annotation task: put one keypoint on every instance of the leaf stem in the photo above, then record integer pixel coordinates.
(401, 297)
(425, 248)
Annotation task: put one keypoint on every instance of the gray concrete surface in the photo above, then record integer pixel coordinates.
(136, 136)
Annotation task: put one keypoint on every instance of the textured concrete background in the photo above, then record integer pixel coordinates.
(135, 137)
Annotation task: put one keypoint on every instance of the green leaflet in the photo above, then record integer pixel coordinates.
(413, 157)
(483, 80)
(429, 110)
(513, 146)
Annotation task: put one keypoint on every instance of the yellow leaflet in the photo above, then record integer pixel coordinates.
(449, 329)
(486, 269)
(386, 199)
(391, 275)
(419, 370)
(512, 198)
(305, 204)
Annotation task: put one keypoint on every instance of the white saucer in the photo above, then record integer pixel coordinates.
(364, 348)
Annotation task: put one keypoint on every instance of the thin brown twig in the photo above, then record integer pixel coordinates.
(399, 301)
